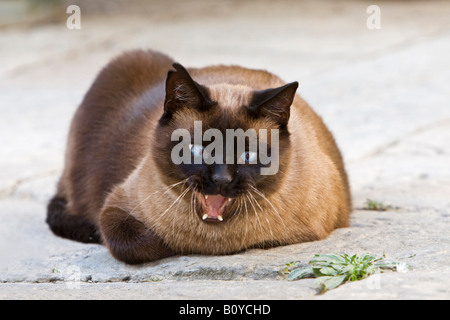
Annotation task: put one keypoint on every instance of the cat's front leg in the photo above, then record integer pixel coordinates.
(128, 239)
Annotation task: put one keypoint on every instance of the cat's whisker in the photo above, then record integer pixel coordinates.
(249, 197)
(191, 209)
(193, 201)
(181, 196)
(175, 216)
(195, 204)
(243, 204)
(265, 216)
(153, 193)
(271, 204)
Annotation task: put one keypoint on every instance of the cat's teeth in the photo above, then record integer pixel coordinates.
(206, 197)
(205, 216)
(220, 218)
(229, 199)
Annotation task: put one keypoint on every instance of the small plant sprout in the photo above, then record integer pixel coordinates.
(376, 205)
(332, 270)
(290, 266)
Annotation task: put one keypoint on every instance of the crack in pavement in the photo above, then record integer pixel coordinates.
(9, 191)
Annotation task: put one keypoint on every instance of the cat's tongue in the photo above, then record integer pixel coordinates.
(214, 207)
(214, 204)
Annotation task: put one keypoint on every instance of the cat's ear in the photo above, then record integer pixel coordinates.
(183, 91)
(274, 103)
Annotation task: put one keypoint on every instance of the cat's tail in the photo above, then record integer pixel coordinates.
(73, 227)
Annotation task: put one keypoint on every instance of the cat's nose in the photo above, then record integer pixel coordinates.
(221, 177)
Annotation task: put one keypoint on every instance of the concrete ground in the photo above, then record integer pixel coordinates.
(384, 93)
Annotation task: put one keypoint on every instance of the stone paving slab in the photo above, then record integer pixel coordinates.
(413, 286)
(388, 232)
(166, 290)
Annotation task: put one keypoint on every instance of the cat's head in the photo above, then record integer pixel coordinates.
(222, 147)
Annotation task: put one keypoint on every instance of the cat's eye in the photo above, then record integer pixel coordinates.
(249, 156)
(196, 150)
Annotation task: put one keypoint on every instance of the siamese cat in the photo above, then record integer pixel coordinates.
(141, 175)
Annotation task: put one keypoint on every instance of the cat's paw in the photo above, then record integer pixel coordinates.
(129, 240)
(70, 226)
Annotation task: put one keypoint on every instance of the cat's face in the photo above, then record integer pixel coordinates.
(224, 147)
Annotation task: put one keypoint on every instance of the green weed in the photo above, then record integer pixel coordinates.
(376, 205)
(332, 270)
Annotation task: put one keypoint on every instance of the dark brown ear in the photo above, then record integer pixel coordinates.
(183, 91)
(274, 103)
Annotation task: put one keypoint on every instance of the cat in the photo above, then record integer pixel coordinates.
(121, 186)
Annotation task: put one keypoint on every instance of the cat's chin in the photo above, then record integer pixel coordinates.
(213, 207)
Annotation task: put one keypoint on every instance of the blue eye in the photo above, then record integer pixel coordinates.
(196, 150)
(249, 156)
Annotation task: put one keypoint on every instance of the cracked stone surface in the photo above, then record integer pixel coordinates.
(383, 93)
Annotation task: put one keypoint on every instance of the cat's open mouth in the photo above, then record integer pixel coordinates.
(213, 206)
